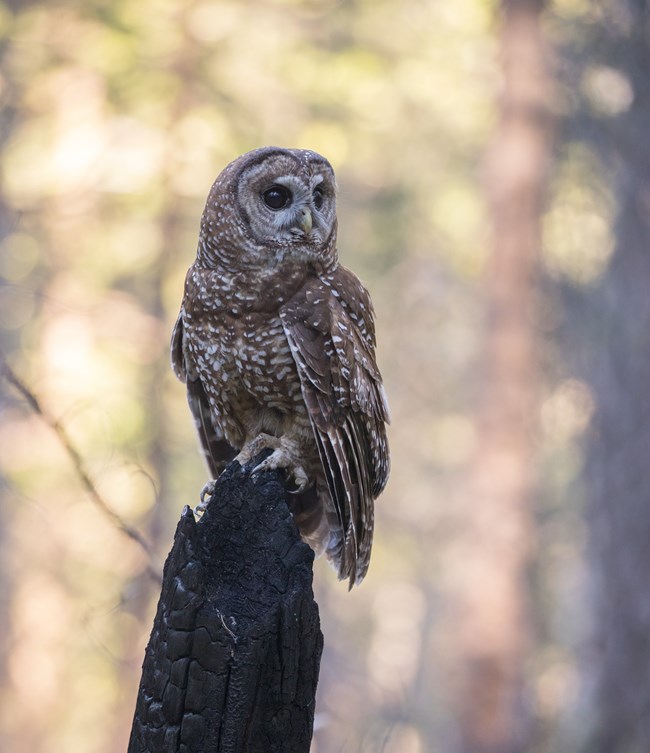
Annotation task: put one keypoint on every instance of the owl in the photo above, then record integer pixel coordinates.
(275, 342)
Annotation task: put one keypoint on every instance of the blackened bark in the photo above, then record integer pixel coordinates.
(233, 658)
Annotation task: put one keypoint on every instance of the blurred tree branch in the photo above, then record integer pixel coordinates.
(78, 464)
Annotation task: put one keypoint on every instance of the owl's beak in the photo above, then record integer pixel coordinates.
(306, 220)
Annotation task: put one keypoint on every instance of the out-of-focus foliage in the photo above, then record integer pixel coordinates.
(117, 117)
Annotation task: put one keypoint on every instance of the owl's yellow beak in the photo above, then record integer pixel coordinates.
(306, 220)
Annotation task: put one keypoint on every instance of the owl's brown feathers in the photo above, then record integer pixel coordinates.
(276, 339)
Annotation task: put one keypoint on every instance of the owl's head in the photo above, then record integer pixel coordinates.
(273, 201)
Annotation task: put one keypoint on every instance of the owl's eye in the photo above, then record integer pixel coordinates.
(318, 197)
(277, 197)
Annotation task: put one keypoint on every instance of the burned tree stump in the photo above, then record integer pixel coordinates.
(233, 658)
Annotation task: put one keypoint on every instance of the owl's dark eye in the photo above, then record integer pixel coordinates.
(277, 197)
(318, 197)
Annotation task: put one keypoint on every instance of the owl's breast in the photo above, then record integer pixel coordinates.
(263, 358)
(247, 361)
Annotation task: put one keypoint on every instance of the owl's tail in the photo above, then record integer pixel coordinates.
(319, 526)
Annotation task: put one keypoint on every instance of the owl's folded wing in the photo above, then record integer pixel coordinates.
(217, 451)
(329, 326)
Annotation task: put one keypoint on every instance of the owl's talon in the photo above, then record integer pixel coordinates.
(204, 496)
(282, 460)
(297, 491)
(207, 492)
(300, 479)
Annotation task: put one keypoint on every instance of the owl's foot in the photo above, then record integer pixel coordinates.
(255, 446)
(285, 456)
(204, 496)
(283, 459)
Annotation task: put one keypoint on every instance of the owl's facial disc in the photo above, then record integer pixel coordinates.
(293, 212)
(288, 205)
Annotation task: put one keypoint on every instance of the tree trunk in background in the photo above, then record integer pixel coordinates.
(618, 455)
(492, 624)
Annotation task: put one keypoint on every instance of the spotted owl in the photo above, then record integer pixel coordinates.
(275, 342)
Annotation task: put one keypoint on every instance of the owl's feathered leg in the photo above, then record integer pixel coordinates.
(286, 456)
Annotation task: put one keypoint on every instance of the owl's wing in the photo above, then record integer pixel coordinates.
(218, 453)
(330, 329)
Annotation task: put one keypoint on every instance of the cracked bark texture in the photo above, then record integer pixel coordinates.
(233, 658)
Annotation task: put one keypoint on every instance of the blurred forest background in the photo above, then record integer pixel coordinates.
(494, 170)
